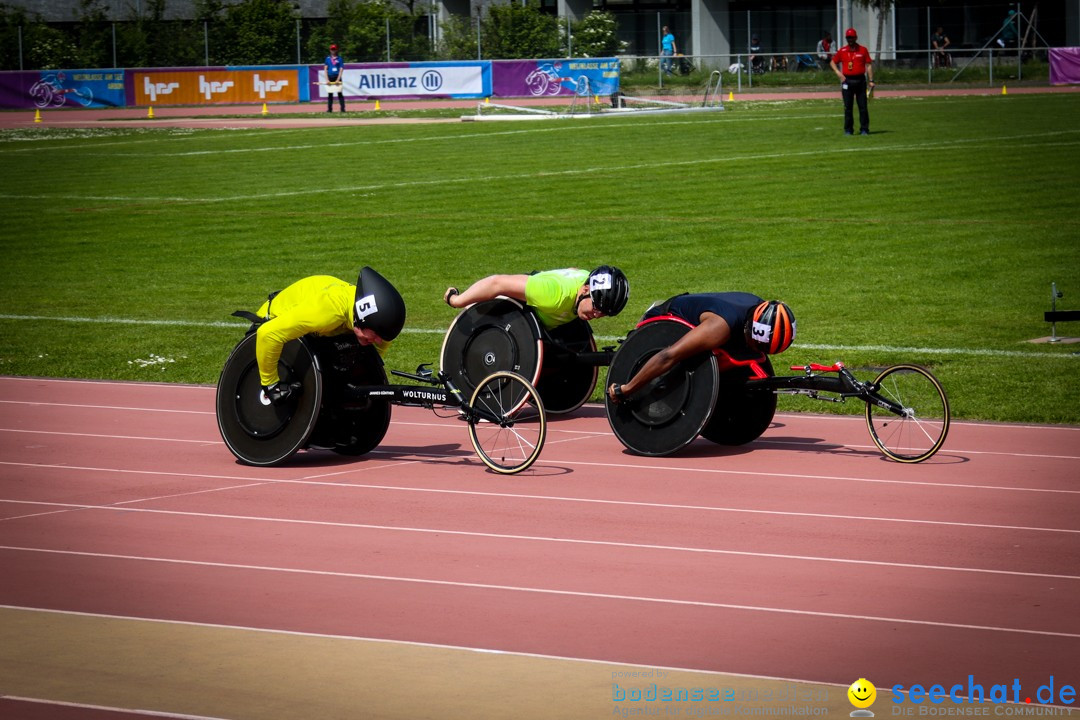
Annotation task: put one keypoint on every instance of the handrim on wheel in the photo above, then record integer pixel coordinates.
(920, 430)
(507, 425)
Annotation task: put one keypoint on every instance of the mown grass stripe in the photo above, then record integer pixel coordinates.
(986, 352)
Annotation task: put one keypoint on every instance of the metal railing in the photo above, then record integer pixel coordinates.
(970, 67)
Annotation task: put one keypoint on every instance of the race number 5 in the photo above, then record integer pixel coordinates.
(365, 306)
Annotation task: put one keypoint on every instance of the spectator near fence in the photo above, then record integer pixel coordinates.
(824, 50)
(1009, 33)
(667, 49)
(939, 41)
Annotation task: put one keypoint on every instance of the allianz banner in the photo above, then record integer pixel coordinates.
(466, 79)
(204, 86)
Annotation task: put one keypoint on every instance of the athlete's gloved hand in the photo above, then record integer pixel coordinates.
(279, 392)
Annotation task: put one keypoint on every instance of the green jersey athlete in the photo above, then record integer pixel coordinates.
(557, 296)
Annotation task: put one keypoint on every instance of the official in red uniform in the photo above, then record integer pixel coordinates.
(851, 64)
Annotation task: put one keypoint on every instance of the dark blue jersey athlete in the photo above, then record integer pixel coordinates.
(733, 321)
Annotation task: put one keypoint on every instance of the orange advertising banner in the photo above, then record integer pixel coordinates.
(215, 87)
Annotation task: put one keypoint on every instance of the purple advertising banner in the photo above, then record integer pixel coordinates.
(1065, 66)
(538, 78)
(49, 89)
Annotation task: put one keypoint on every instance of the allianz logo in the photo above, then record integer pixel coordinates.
(154, 89)
(209, 89)
(269, 86)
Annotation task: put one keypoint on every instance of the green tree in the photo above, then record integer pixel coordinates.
(359, 29)
(515, 31)
(259, 32)
(457, 39)
(93, 36)
(883, 8)
(146, 39)
(212, 31)
(49, 49)
(13, 23)
(595, 35)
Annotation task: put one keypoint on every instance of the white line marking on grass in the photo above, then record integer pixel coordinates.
(955, 144)
(234, 325)
(604, 338)
(540, 590)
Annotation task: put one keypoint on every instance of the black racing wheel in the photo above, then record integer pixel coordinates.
(345, 425)
(741, 414)
(488, 337)
(564, 384)
(669, 412)
(255, 430)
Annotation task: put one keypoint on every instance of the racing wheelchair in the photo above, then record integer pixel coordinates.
(341, 402)
(505, 335)
(731, 400)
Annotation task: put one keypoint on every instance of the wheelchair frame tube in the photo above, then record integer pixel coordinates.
(600, 358)
(866, 392)
(803, 382)
(407, 395)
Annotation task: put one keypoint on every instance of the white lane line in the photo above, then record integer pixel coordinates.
(214, 441)
(105, 407)
(109, 708)
(306, 480)
(545, 591)
(558, 540)
(78, 508)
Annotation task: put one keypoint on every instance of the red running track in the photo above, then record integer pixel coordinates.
(805, 555)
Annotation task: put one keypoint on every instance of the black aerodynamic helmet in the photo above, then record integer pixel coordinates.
(378, 305)
(609, 289)
(770, 328)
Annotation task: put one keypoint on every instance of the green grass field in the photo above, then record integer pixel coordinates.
(934, 240)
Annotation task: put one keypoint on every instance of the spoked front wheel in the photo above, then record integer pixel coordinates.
(507, 424)
(919, 430)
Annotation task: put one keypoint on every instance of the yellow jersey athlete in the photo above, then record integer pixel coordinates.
(557, 296)
(372, 310)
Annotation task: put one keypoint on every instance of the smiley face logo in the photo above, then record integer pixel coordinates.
(862, 693)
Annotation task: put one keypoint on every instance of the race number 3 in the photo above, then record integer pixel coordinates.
(365, 306)
(761, 332)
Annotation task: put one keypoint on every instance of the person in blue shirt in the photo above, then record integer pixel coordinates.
(667, 49)
(335, 70)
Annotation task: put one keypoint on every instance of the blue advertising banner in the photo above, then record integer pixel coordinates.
(538, 78)
(47, 89)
